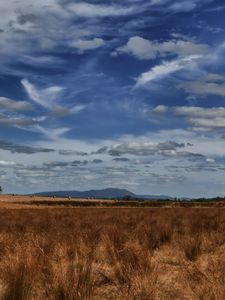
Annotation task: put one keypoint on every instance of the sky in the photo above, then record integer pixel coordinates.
(102, 93)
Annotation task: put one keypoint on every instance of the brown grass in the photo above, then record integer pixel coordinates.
(112, 253)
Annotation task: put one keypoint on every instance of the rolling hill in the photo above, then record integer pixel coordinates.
(107, 193)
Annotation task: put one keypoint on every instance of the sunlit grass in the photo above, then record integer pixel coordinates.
(112, 253)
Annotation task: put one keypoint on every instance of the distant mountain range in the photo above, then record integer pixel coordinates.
(108, 193)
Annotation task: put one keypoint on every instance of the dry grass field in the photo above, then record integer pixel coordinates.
(111, 253)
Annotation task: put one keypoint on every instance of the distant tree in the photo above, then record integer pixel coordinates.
(1, 190)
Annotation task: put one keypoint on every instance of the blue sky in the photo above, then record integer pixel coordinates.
(128, 94)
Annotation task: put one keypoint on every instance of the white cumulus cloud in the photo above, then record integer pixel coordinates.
(146, 49)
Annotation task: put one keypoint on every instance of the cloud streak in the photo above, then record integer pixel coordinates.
(16, 148)
(212, 84)
(88, 10)
(165, 69)
(45, 97)
(9, 104)
(201, 119)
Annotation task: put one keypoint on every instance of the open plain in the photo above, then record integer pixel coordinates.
(60, 252)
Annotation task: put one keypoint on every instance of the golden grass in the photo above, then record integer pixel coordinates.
(112, 253)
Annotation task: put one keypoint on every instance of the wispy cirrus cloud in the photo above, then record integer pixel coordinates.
(50, 133)
(181, 6)
(165, 69)
(89, 10)
(45, 97)
(50, 99)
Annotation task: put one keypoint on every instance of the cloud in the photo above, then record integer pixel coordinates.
(17, 121)
(84, 45)
(59, 111)
(89, 10)
(187, 5)
(48, 98)
(97, 161)
(77, 108)
(50, 133)
(203, 119)
(146, 49)
(191, 156)
(207, 124)
(7, 164)
(213, 84)
(160, 109)
(146, 148)
(184, 6)
(9, 104)
(200, 167)
(44, 97)
(121, 159)
(200, 112)
(41, 60)
(79, 163)
(72, 152)
(200, 118)
(102, 150)
(210, 160)
(15, 148)
(179, 6)
(21, 22)
(165, 178)
(165, 69)
(56, 164)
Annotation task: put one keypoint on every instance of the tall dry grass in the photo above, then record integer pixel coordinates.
(112, 253)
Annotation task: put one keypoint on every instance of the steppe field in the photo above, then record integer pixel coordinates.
(137, 253)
